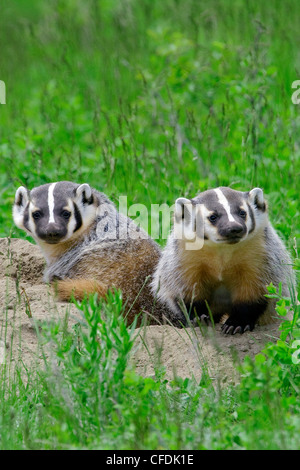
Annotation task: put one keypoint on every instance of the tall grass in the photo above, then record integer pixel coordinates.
(88, 396)
(151, 99)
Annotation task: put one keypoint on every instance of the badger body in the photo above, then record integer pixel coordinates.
(235, 254)
(89, 246)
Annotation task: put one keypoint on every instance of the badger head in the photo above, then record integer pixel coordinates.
(55, 212)
(222, 215)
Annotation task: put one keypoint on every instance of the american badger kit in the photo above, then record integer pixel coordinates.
(88, 245)
(239, 255)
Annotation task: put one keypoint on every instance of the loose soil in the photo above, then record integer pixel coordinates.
(27, 303)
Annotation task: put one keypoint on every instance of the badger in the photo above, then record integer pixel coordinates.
(89, 246)
(220, 263)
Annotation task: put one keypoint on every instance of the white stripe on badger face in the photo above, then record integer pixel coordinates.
(51, 202)
(223, 200)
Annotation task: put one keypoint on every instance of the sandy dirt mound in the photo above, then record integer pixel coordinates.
(27, 301)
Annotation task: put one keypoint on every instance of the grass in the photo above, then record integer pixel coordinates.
(152, 100)
(88, 396)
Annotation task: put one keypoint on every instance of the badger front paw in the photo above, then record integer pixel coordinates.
(244, 316)
(235, 325)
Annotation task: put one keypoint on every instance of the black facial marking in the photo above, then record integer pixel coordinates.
(228, 230)
(78, 218)
(244, 316)
(51, 233)
(251, 217)
(26, 218)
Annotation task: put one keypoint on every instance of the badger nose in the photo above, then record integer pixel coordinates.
(232, 233)
(235, 230)
(53, 230)
(52, 233)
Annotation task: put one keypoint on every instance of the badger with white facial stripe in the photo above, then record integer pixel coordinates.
(225, 269)
(89, 246)
(58, 220)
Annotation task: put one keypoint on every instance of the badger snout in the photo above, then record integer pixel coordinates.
(52, 233)
(232, 233)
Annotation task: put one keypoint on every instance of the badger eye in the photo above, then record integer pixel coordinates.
(66, 214)
(37, 215)
(243, 214)
(213, 217)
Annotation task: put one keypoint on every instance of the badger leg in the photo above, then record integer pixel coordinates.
(244, 316)
(79, 288)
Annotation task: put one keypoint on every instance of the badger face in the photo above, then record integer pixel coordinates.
(225, 216)
(56, 212)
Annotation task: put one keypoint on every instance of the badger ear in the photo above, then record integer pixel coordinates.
(256, 197)
(21, 201)
(181, 206)
(84, 194)
(185, 219)
(21, 198)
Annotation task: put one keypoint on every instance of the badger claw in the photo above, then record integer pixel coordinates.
(228, 329)
(238, 329)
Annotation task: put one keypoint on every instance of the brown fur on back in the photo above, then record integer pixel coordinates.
(130, 271)
(78, 288)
